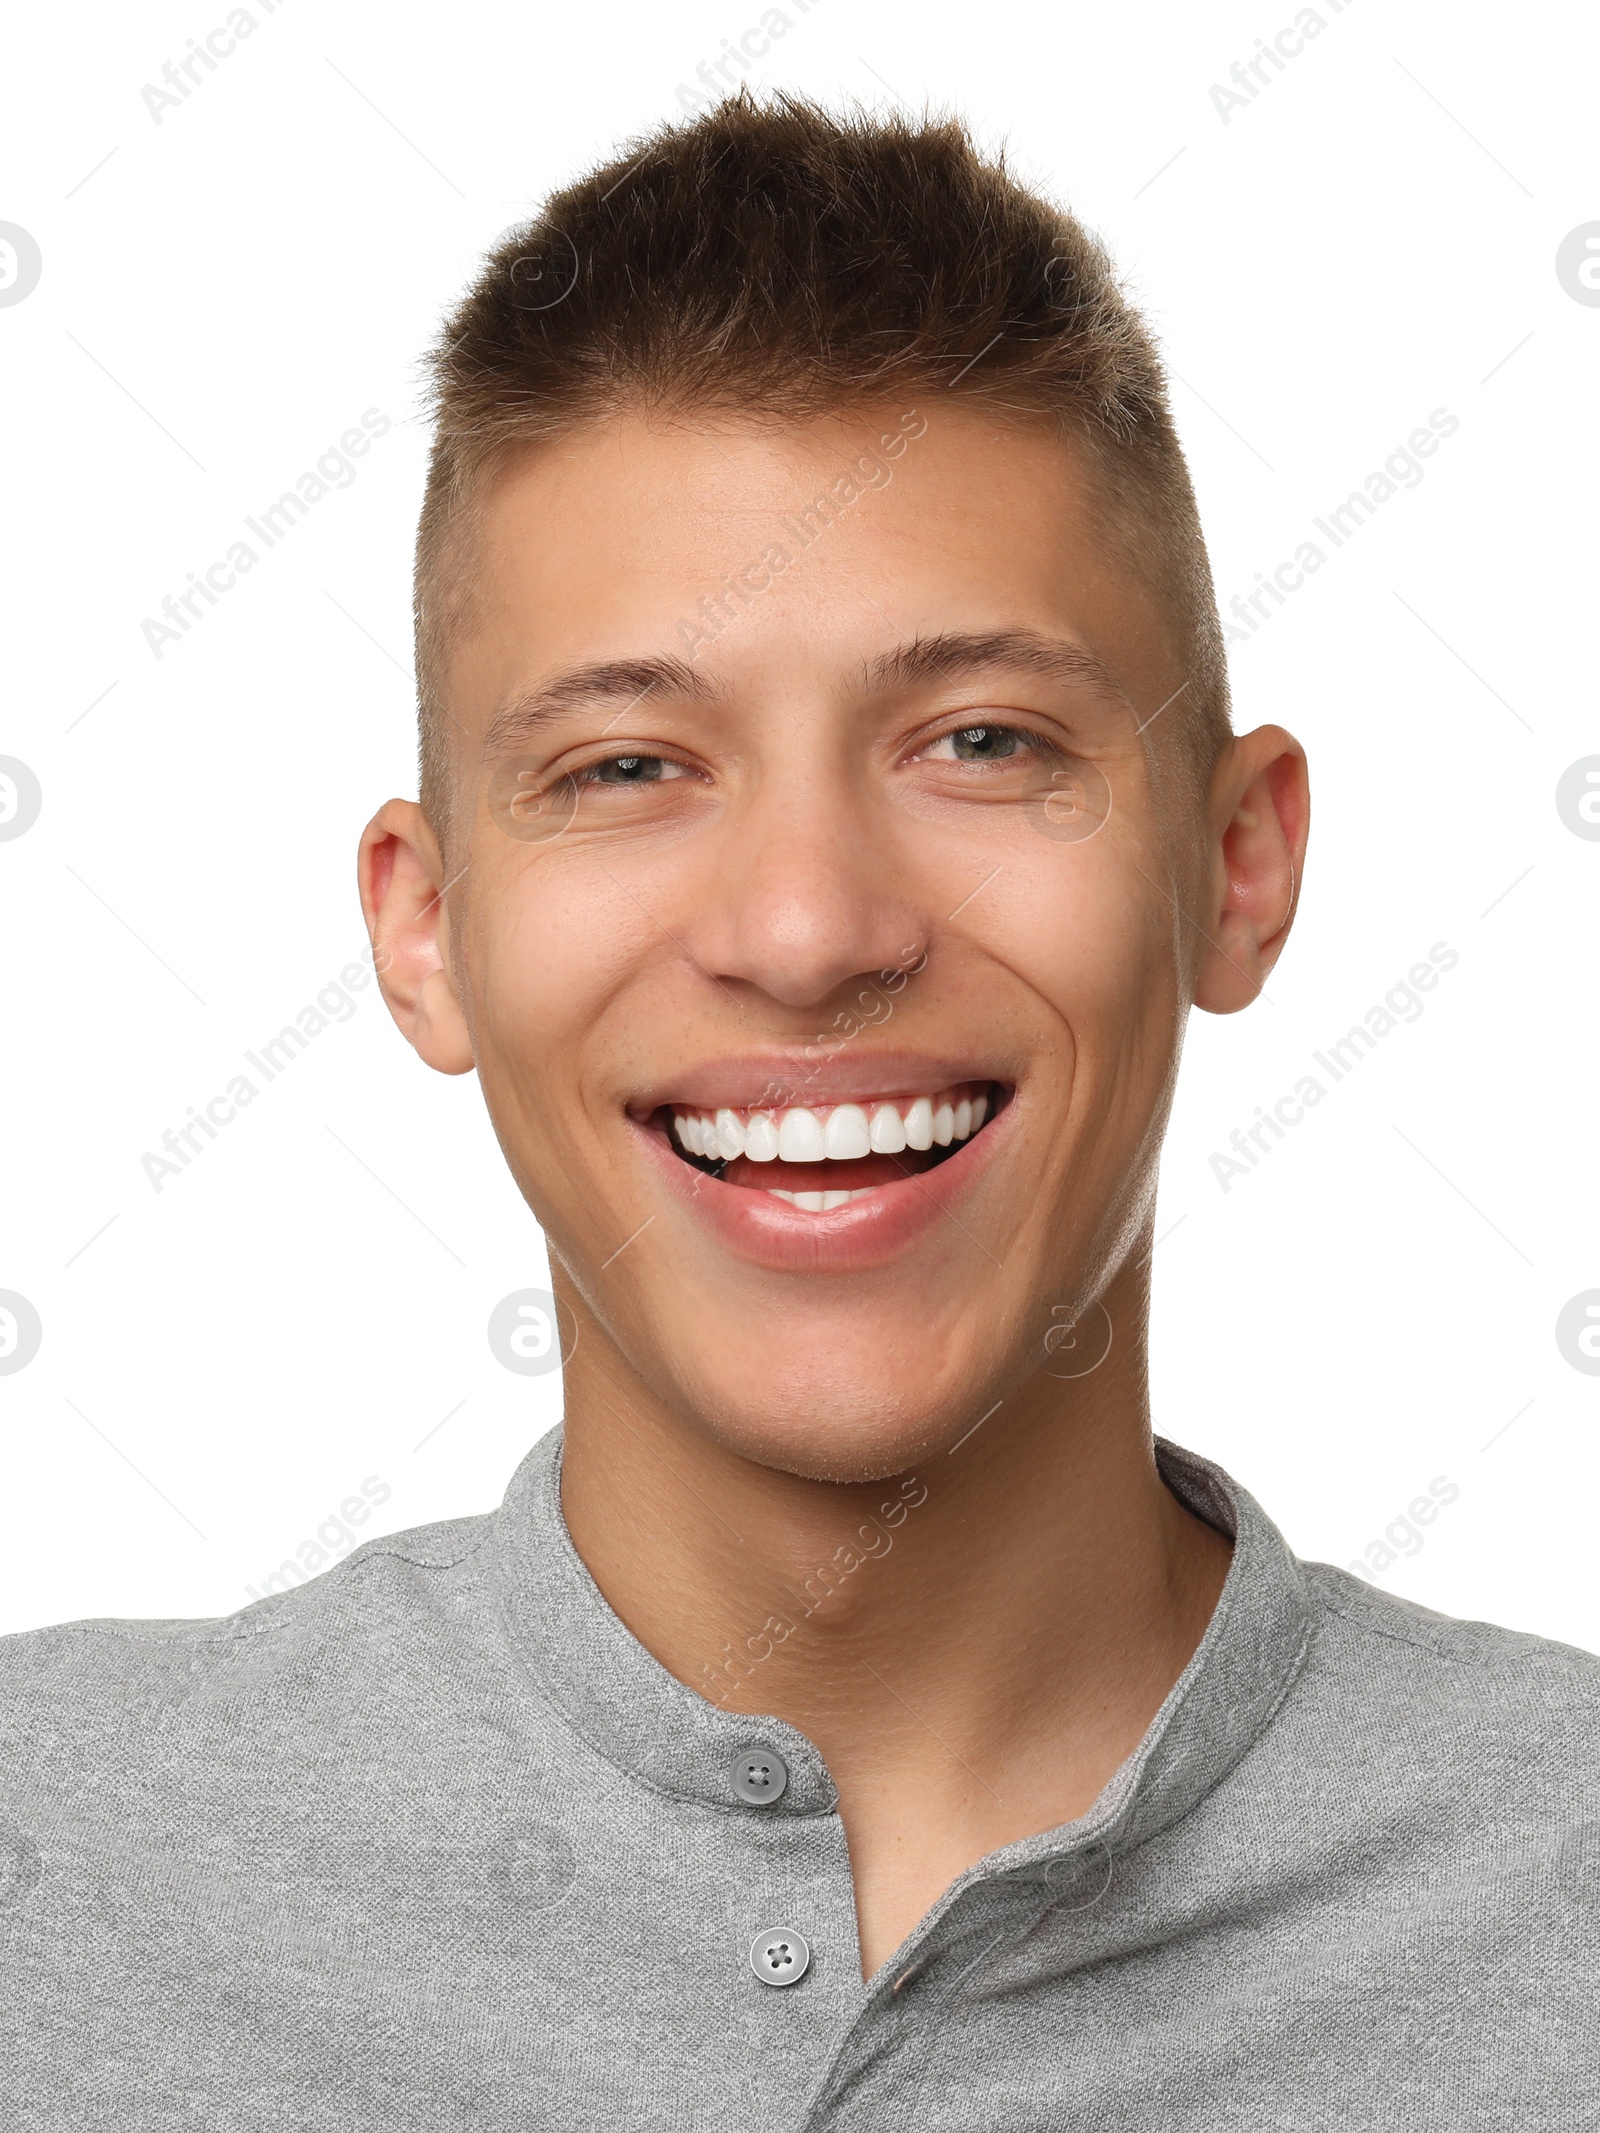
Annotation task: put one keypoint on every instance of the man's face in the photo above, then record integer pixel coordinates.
(819, 941)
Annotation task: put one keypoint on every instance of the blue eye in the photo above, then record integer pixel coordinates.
(984, 744)
(632, 770)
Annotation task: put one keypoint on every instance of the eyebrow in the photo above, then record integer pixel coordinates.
(622, 682)
(945, 656)
(951, 655)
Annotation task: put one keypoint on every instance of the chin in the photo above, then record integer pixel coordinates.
(823, 1416)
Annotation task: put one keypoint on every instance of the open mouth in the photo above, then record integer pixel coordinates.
(821, 1157)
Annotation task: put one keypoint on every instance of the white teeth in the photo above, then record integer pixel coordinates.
(845, 1136)
(800, 1138)
(841, 1133)
(818, 1203)
(761, 1138)
(729, 1136)
(888, 1131)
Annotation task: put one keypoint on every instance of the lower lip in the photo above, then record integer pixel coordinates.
(869, 1232)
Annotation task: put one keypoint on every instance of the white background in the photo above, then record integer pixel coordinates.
(225, 292)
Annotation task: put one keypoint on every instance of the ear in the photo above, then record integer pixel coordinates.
(1258, 816)
(402, 879)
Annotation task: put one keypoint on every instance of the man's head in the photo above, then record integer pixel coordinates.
(827, 786)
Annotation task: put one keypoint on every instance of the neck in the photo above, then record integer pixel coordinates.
(973, 1645)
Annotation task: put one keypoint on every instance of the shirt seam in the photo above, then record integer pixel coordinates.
(183, 1632)
(1354, 1614)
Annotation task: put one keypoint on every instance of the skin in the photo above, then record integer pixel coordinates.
(1017, 1590)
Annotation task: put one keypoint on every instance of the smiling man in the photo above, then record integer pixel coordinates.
(829, 818)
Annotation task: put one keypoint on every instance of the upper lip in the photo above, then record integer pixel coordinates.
(798, 1076)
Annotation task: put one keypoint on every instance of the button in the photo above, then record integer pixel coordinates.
(780, 1956)
(760, 1776)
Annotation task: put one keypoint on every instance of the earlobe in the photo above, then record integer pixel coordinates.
(1260, 813)
(400, 871)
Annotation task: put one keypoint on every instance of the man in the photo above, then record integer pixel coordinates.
(851, 1718)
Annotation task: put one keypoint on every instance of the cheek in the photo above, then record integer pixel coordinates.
(1092, 939)
(546, 946)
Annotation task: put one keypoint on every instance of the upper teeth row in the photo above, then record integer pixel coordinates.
(843, 1134)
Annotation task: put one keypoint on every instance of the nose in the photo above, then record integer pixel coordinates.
(808, 893)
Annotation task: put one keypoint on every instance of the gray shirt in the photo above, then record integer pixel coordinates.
(432, 1842)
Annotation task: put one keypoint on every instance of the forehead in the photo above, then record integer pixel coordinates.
(773, 554)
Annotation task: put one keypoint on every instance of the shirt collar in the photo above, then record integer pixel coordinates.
(611, 1691)
(1236, 1678)
(646, 1723)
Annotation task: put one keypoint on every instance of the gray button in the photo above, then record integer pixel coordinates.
(780, 1956)
(760, 1776)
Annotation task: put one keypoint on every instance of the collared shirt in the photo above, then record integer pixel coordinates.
(431, 1842)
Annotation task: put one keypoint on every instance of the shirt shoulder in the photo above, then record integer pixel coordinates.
(1485, 1697)
(85, 1678)
(1483, 1649)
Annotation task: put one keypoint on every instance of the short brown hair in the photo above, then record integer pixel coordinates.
(772, 259)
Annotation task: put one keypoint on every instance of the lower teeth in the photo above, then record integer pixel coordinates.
(817, 1203)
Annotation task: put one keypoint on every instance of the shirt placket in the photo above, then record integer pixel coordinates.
(913, 2010)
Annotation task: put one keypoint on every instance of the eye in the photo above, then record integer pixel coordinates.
(630, 770)
(980, 744)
